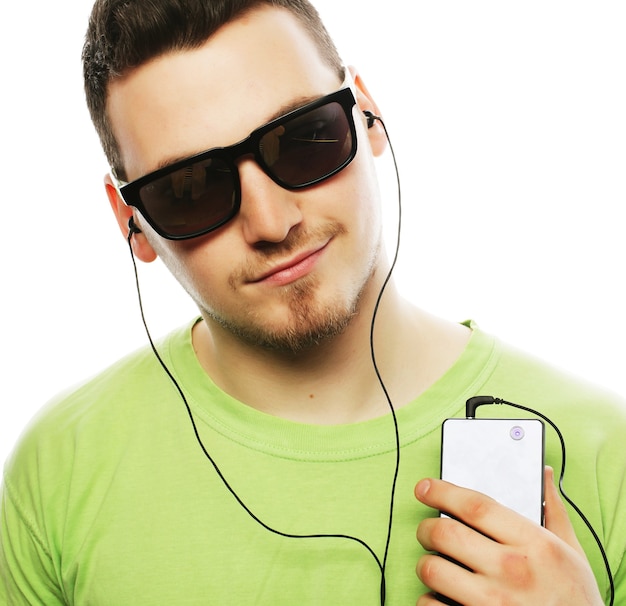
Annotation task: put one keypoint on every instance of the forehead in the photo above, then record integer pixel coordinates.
(184, 102)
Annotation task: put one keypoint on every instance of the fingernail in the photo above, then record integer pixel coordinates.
(422, 488)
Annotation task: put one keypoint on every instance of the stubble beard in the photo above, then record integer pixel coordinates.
(309, 320)
(305, 327)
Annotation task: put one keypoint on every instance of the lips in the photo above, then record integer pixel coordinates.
(293, 269)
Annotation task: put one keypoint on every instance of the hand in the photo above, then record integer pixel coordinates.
(511, 560)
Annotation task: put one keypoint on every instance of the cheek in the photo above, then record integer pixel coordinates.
(190, 262)
(365, 201)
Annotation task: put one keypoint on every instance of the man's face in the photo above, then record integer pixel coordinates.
(292, 267)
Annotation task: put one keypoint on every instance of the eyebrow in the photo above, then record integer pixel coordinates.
(282, 111)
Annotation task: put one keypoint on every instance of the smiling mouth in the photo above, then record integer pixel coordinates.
(293, 269)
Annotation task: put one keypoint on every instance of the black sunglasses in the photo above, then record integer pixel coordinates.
(199, 194)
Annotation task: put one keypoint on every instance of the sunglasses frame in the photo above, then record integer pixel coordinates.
(250, 146)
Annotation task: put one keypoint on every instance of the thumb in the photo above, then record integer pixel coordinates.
(556, 519)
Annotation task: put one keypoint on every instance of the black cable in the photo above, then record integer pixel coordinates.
(470, 409)
(381, 565)
(208, 455)
(376, 369)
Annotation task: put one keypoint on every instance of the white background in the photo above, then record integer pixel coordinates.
(509, 122)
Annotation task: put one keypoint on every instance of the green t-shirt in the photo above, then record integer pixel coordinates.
(108, 499)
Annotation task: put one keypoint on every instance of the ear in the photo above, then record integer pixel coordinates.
(365, 102)
(123, 213)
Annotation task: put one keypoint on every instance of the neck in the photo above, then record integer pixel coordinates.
(335, 381)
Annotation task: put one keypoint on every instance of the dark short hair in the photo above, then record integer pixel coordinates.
(125, 34)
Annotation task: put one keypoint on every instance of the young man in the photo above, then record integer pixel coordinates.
(254, 461)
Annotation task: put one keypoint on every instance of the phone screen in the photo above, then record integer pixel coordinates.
(502, 458)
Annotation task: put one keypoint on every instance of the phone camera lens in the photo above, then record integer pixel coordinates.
(517, 433)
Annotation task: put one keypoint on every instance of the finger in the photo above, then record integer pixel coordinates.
(458, 542)
(476, 510)
(448, 579)
(556, 519)
(430, 599)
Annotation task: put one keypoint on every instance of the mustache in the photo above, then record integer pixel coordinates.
(270, 253)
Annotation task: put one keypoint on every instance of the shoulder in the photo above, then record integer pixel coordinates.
(553, 387)
(97, 411)
(592, 419)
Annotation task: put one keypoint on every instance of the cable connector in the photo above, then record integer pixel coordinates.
(473, 403)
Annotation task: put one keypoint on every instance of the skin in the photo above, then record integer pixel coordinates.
(521, 563)
(291, 260)
(215, 96)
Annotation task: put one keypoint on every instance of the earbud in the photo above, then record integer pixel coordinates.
(371, 118)
(132, 227)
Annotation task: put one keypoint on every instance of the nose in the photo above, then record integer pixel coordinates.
(268, 212)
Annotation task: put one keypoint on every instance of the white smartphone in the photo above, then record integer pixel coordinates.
(502, 458)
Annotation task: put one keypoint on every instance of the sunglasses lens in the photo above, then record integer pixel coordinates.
(310, 147)
(193, 199)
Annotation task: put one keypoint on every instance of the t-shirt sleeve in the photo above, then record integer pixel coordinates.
(27, 572)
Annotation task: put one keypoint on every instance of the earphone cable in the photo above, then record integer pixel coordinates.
(206, 453)
(477, 401)
(381, 564)
(575, 507)
(376, 369)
